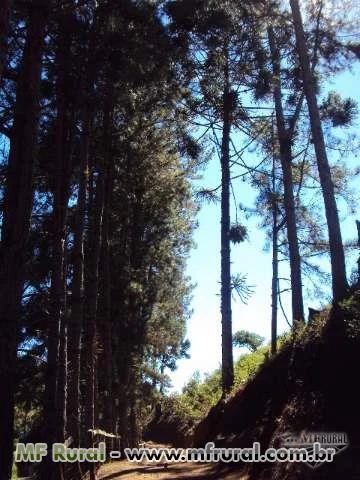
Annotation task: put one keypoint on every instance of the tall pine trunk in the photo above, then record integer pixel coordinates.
(18, 201)
(226, 320)
(77, 326)
(289, 202)
(92, 290)
(107, 326)
(56, 378)
(77, 303)
(275, 265)
(338, 268)
(90, 420)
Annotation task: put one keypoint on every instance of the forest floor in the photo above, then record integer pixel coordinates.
(124, 470)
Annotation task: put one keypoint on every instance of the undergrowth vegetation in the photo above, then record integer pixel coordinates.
(199, 395)
(186, 409)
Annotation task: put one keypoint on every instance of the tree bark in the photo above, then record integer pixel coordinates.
(77, 310)
(18, 201)
(275, 266)
(285, 140)
(338, 268)
(56, 377)
(274, 284)
(107, 328)
(92, 293)
(226, 320)
(91, 316)
(77, 325)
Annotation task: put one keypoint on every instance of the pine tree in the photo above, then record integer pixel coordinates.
(338, 269)
(18, 201)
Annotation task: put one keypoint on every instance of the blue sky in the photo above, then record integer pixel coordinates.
(204, 328)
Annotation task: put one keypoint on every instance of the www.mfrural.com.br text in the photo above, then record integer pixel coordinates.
(209, 454)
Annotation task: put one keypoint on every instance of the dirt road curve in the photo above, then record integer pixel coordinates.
(187, 471)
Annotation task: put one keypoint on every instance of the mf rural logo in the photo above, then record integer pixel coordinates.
(316, 444)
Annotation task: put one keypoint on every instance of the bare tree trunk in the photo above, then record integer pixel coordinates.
(226, 320)
(338, 268)
(107, 327)
(78, 325)
(289, 203)
(56, 379)
(77, 310)
(275, 265)
(18, 201)
(92, 302)
(95, 241)
(4, 25)
(134, 427)
(274, 285)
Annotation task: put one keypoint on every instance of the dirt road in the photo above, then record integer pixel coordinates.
(124, 470)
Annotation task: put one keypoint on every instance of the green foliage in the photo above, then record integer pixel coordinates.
(351, 307)
(238, 233)
(240, 286)
(341, 112)
(198, 396)
(250, 340)
(248, 364)
(305, 333)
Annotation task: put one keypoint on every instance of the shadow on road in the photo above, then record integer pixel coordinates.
(169, 472)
